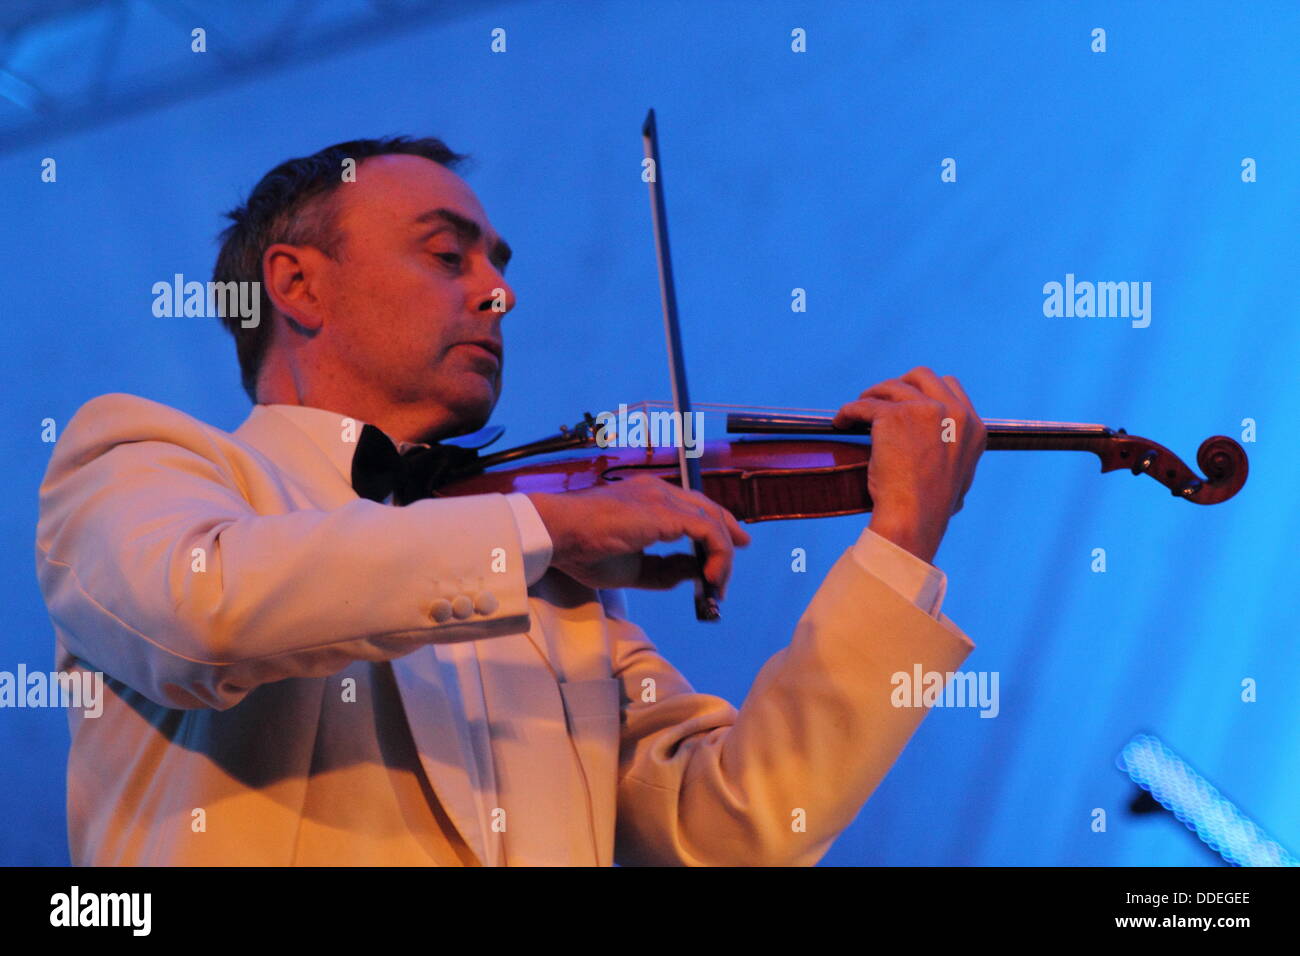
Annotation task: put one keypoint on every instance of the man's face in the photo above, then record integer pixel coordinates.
(409, 304)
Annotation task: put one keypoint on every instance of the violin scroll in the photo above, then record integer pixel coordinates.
(1222, 460)
(1225, 466)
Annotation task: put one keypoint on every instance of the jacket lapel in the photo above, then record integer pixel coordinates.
(555, 726)
(433, 698)
(539, 784)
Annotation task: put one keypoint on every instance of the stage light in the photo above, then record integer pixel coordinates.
(1193, 800)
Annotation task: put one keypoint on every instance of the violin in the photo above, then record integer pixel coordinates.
(781, 466)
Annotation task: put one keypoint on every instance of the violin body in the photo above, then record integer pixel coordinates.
(754, 479)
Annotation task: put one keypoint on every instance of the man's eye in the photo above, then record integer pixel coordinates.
(451, 258)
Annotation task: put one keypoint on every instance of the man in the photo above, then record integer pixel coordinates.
(300, 674)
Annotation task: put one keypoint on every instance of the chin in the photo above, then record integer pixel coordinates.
(471, 412)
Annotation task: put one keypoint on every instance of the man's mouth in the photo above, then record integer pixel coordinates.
(489, 349)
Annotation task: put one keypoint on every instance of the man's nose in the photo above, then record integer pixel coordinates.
(497, 296)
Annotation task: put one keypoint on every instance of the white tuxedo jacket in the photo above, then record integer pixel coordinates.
(295, 675)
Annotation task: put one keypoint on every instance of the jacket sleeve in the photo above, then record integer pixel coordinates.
(774, 783)
(157, 569)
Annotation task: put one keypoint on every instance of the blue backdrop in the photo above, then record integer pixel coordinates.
(818, 170)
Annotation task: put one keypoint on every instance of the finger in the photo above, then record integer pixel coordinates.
(895, 390)
(661, 572)
(728, 521)
(714, 528)
(861, 412)
(739, 536)
(976, 421)
(709, 531)
(955, 386)
(931, 384)
(694, 515)
(720, 553)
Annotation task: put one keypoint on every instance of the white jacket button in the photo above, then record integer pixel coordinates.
(441, 610)
(485, 602)
(462, 606)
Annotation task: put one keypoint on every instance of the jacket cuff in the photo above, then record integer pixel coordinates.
(921, 583)
(534, 539)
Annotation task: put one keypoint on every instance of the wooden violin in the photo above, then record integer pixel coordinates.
(780, 465)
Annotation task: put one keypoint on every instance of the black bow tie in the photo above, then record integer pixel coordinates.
(378, 469)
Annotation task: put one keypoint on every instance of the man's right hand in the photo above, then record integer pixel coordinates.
(599, 535)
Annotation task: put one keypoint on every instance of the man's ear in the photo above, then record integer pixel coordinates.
(293, 276)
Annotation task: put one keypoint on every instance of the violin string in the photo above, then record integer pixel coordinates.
(1007, 423)
(723, 407)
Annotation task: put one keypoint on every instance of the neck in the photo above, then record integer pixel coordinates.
(281, 384)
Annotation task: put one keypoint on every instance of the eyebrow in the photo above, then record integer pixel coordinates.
(469, 231)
